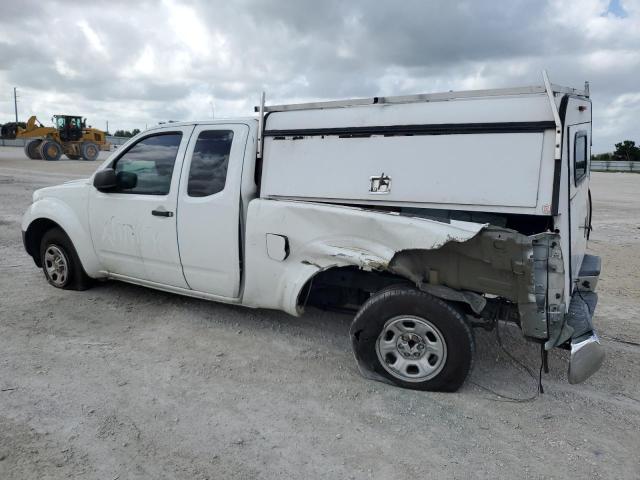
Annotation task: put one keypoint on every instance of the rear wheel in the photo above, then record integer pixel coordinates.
(414, 339)
(32, 149)
(89, 151)
(9, 131)
(60, 262)
(50, 150)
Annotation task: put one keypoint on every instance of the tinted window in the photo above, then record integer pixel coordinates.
(152, 160)
(580, 156)
(208, 171)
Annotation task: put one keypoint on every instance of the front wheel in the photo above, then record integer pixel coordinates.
(50, 150)
(60, 262)
(414, 340)
(89, 151)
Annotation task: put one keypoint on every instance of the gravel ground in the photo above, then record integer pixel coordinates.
(122, 382)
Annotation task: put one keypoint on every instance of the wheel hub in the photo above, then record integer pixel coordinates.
(411, 348)
(56, 265)
(411, 345)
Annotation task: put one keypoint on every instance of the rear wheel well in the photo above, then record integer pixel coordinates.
(345, 288)
(33, 237)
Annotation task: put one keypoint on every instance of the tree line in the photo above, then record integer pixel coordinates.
(126, 133)
(625, 150)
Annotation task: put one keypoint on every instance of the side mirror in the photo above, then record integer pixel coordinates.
(126, 180)
(108, 180)
(105, 180)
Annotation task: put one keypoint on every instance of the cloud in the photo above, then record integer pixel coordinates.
(137, 63)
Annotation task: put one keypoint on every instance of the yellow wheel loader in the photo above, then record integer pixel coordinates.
(69, 136)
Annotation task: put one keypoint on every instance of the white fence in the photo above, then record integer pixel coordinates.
(615, 166)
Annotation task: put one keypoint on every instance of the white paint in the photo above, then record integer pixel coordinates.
(504, 108)
(573, 205)
(486, 170)
(208, 226)
(492, 172)
(322, 236)
(128, 239)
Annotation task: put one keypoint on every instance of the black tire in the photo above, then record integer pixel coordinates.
(75, 278)
(89, 151)
(406, 305)
(32, 149)
(50, 150)
(9, 131)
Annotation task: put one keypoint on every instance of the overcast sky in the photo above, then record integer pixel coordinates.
(138, 63)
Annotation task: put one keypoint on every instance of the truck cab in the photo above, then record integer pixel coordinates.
(423, 215)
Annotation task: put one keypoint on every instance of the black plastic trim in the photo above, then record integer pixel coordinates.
(555, 196)
(427, 129)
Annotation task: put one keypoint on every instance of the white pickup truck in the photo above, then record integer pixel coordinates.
(424, 215)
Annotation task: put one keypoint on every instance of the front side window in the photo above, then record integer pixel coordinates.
(209, 162)
(152, 160)
(580, 156)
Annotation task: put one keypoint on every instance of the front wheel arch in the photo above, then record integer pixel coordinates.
(34, 234)
(73, 274)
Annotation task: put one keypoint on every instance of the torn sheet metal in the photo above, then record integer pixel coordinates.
(322, 236)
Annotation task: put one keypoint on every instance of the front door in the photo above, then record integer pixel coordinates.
(209, 208)
(133, 228)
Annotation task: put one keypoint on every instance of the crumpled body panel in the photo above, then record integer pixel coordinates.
(456, 261)
(322, 236)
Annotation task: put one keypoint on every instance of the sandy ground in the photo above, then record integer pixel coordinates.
(121, 382)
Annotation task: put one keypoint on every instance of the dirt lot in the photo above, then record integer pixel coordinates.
(121, 382)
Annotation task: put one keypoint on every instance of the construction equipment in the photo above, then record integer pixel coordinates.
(69, 136)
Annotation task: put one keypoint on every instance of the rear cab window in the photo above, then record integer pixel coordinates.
(209, 163)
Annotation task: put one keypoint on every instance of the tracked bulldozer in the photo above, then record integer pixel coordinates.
(70, 136)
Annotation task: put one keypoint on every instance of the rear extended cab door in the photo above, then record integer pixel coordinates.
(209, 208)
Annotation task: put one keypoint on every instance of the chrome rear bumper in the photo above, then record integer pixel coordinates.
(587, 353)
(586, 358)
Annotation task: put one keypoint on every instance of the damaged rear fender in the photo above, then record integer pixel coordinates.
(319, 237)
(525, 270)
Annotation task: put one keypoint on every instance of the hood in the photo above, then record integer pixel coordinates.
(61, 190)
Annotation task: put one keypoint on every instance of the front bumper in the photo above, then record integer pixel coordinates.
(587, 353)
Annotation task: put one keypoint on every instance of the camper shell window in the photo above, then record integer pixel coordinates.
(580, 156)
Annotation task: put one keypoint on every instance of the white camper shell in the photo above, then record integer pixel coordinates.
(425, 215)
(429, 153)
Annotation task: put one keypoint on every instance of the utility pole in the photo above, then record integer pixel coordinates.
(15, 102)
(107, 126)
(212, 111)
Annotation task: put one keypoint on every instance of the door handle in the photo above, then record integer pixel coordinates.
(161, 213)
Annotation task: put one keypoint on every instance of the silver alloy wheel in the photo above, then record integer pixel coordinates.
(411, 348)
(56, 265)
